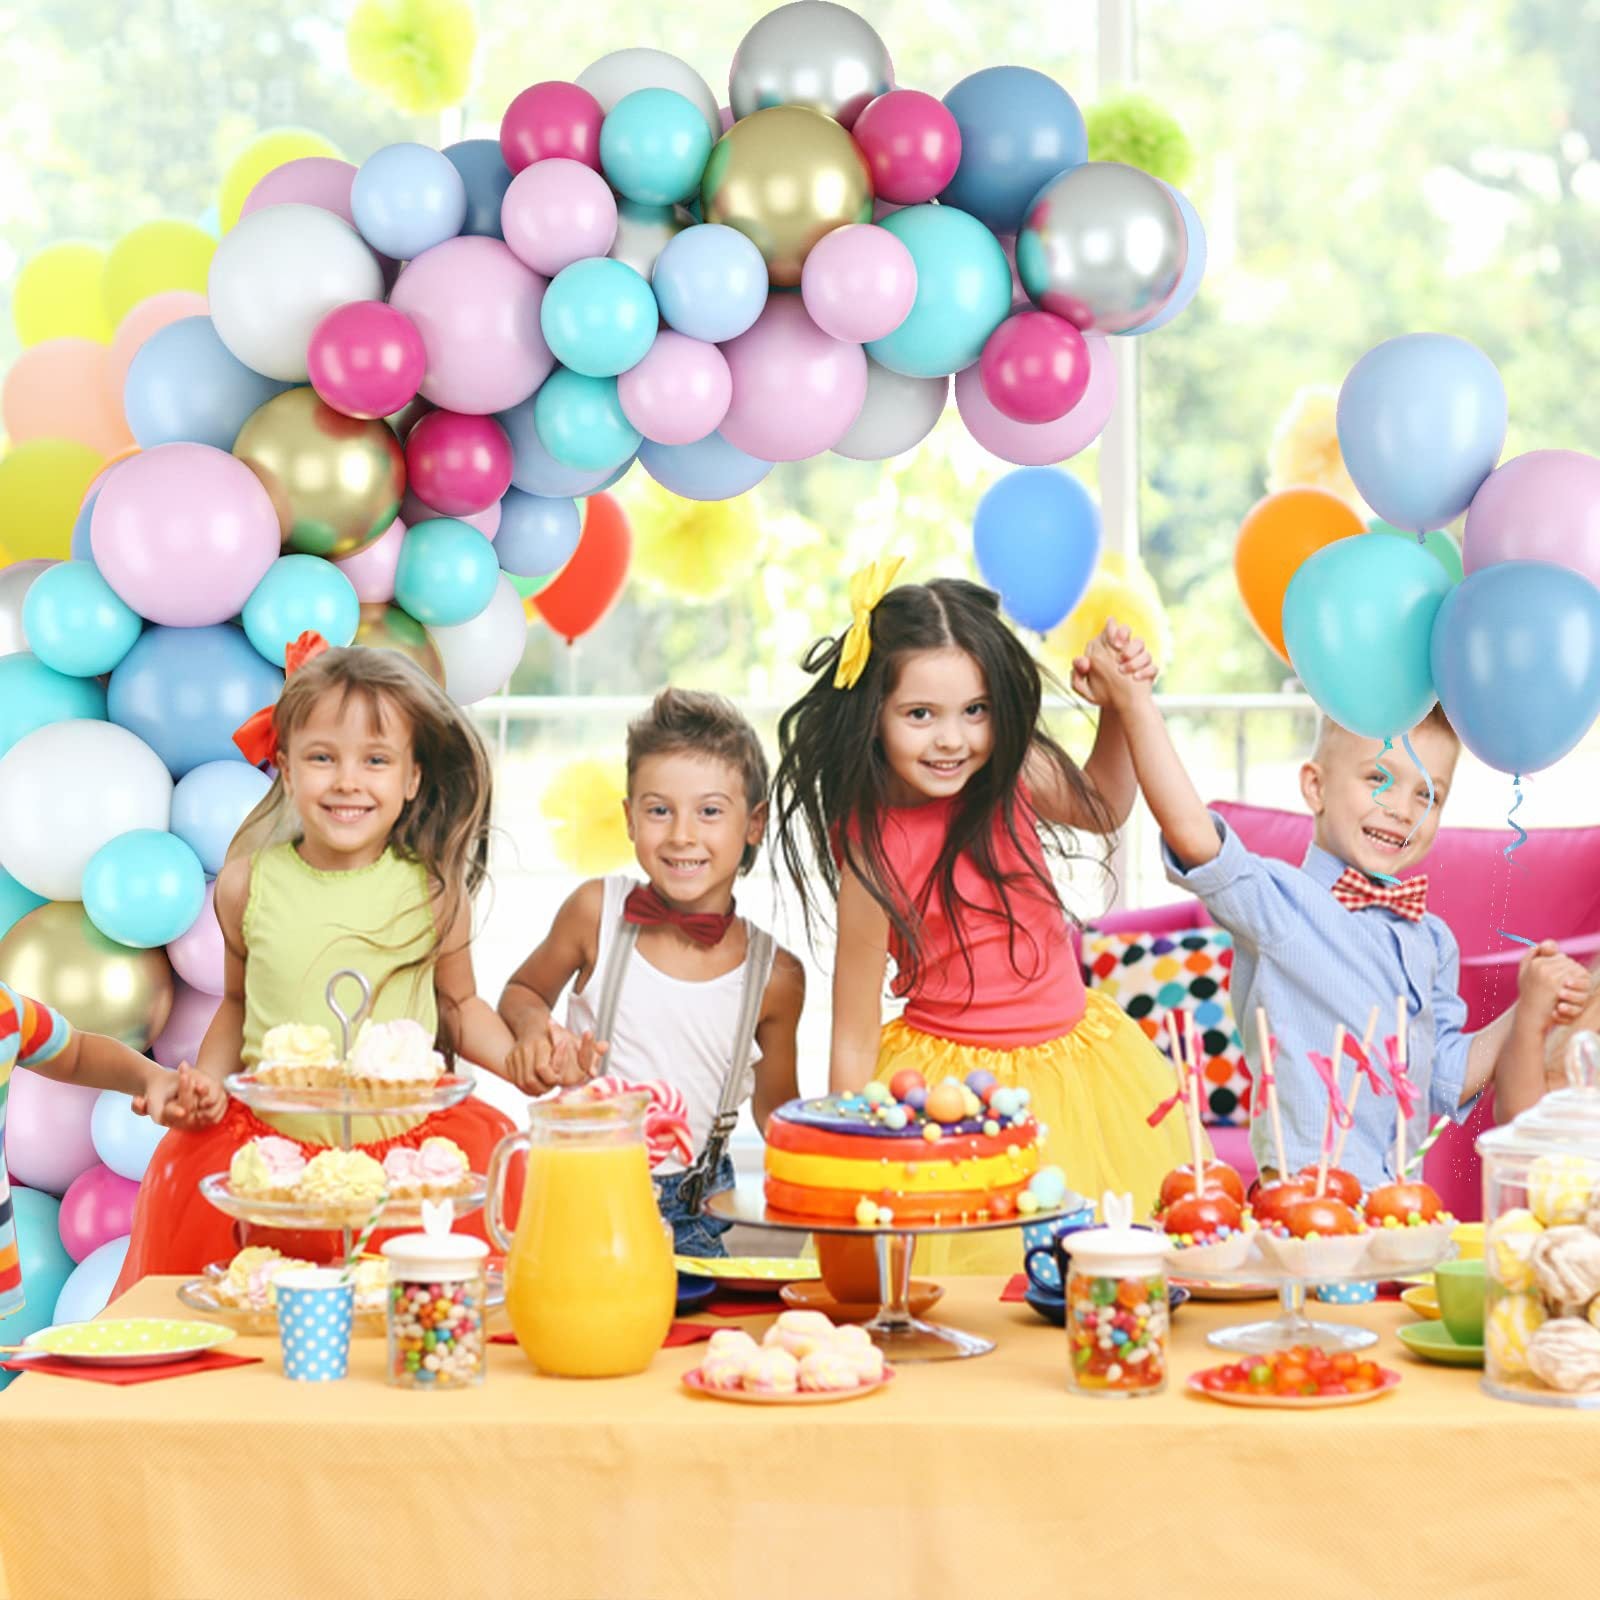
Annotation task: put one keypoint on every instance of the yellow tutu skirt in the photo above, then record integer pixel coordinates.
(1092, 1090)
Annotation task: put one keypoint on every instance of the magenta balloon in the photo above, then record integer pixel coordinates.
(477, 309)
(310, 181)
(183, 533)
(1542, 506)
(48, 1138)
(796, 389)
(371, 569)
(551, 121)
(680, 392)
(1034, 367)
(97, 1207)
(487, 521)
(558, 212)
(1040, 444)
(197, 956)
(366, 359)
(858, 283)
(191, 1014)
(911, 142)
(458, 463)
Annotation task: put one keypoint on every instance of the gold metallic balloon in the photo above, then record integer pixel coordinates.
(784, 177)
(335, 481)
(55, 954)
(385, 627)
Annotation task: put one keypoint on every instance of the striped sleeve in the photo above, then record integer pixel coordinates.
(44, 1032)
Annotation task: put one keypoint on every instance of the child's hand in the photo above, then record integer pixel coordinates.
(183, 1099)
(549, 1060)
(1551, 987)
(1115, 668)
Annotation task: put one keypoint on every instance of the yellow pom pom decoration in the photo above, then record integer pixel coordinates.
(416, 54)
(274, 148)
(583, 804)
(1122, 588)
(1305, 448)
(689, 549)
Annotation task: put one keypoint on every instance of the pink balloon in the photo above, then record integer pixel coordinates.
(458, 463)
(858, 283)
(557, 212)
(911, 142)
(97, 1207)
(61, 389)
(197, 955)
(1542, 506)
(148, 317)
(48, 1139)
(310, 181)
(680, 392)
(796, 389)
(1040, 444)
(487, 521)
(366, 359)
(1034, 367)
(191, 1014)
(477, 308)
(551, 120)
(183, 533)
(371, 569)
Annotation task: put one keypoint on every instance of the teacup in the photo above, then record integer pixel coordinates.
(1040, 1260)
(1460, 1287)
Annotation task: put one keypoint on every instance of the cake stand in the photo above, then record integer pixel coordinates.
(901, 1336)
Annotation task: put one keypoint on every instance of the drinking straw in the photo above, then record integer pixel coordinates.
(1269, 1084)
(364, 1238)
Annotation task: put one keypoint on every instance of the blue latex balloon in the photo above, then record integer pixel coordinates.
(708, 469)
(963, 292)
(81, 548)
(45, 1264)
(1194, 268)
(653, 147)
(1019, 129)
(580, 421)
(299, 593)
(33, 696)
(537, 536)
(1422, 420)
(599, 317)
(15, 902)
(144, 888)
(535, 471)
(184, 384)
(1357, 618)
(76, 622)
(487, 177)
(209, 804)
(1516, 658)
(407, 198)
(88, 1291)
(185, 691)
(1036, 535)
(710, 282)
(447, 572)
(122, 1138)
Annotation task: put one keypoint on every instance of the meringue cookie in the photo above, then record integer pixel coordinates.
(772, 1371)
(1565, 1353)
(1566, 1263)
(829, 1370)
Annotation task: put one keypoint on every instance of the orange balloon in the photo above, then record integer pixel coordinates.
(1277, 535)
(146, 318)
(58, 390)
(585, 589)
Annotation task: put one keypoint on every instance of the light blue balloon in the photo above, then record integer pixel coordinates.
(1357, 619)
(300, 593)
(185, 692)
(1194, 267)
(1019, 129)
(708, 469)
(599, 317)
(210, 803)
(710, 282)
(32, 695)
(122, 1138)
(447, 572)
(45, 1264)
(407, 198)
(184, 384)
(15, 902)
(88, 1291)
(484, 171)
(581, 423)
(535, 471)
(1516, 659)
(1422, 420)
(210, 220)
(76, 622)
(1036, 534)
(653, 147)
(537, 536)
(963, 292)
(144, 888)
(81, 548)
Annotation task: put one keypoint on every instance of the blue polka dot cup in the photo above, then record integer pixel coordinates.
(1040, 1260)
(314, 1311)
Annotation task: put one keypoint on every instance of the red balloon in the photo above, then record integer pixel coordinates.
(552, 119)
(1034, 367)
(587, 587)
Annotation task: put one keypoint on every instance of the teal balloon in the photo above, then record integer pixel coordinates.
(16, 902)
(1439, 544)
(46, 1266)
(33, 695)
(963, 292)
(599, 316)
(654, 145)
(144, 888)
(298, 594)
(447, 572)
(76, 623)
(580, 421)
(1358, 620)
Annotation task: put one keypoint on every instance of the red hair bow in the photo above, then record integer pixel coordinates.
(257, 736)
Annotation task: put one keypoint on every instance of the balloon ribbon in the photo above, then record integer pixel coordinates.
(1510, 850)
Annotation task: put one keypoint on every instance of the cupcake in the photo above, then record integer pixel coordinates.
(342, 1183)
(391, 1060)
(248, 1284)
(436, 1170)
(298, 1056)
(269, 1168)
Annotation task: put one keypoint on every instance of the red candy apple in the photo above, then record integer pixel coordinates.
(1215, 1175)
(1326, 1217)
(1271, 1201)
(1340, 1184)
(1207, 1213)
(1402, 1201)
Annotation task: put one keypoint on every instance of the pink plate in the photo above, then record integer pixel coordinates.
(693, 1382)
(1388, 1379)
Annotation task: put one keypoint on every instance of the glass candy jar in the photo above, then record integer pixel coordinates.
(438, 1289)
(1116, 1291)
(1541, 1193)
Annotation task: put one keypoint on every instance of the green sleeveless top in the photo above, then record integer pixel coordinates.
(301, 925)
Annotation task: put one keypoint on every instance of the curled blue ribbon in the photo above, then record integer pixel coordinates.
(1510, 850)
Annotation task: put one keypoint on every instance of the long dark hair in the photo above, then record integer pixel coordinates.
(832, 784)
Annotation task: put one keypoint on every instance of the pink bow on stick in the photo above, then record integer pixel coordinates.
(1339, 1111)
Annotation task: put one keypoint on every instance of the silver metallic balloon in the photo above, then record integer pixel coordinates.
(643, 232)
(15, 581)
(898, 413)
(811, 53)
(1104, 246)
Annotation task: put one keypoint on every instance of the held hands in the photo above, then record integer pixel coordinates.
(1115, 669)
(1551, 987)
(183, 1099)
(555, 1059)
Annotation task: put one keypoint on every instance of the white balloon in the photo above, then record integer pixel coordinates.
(623, 71)
(123, 1139)
(69, 788)
(276, 275)
(479, 656)
(899, 412)
(15, 582)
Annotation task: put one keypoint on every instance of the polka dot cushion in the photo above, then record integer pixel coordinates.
(1149, 975)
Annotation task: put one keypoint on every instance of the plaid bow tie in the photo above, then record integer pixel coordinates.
(1355, 890)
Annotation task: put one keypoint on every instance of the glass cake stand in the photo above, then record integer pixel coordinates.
(397, 1213)
(901, 1336)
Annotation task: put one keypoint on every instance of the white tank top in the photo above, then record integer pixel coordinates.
(680, 1031)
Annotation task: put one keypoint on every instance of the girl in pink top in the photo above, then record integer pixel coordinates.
(918, 781)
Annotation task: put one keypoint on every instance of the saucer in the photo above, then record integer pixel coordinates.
(693, 1292)
(1432, 1341)
(1053, 1307)
(815, 1297)
(1423, 1298)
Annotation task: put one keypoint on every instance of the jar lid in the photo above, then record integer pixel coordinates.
(1116, 1246)
(436, 1255)
(1566, 1120)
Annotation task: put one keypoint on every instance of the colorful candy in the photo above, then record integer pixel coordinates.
(1117, 1333)
(436, 1333)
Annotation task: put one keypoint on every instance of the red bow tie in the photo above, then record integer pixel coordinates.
(1355, 890)
(645, 907)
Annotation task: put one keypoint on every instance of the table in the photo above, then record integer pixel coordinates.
(966, 1479)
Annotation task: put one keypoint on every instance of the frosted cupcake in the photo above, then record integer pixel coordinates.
(435, 1170)
(268, 1168)
(391, 1060)
(248, 1283)
(298, 1055)
(342, 1183)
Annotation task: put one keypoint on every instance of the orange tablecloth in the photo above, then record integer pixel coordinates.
(966, 1479)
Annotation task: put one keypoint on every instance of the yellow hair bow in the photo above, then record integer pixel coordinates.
(867, 588)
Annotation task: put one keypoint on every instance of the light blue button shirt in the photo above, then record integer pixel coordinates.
(1313, 964)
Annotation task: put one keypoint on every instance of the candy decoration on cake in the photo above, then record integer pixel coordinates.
(666, 1119)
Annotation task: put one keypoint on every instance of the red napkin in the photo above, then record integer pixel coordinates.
(57, 1367)
(679, 1333)
(1016, 1288)
(742, 1305)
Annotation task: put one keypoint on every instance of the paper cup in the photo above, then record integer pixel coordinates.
(314, 1311)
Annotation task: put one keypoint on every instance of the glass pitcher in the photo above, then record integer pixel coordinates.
(590, 1285)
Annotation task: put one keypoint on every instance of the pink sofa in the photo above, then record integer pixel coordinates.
(1551, 891)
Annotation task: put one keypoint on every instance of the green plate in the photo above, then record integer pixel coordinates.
(128, 1341)
(1432, 1341)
